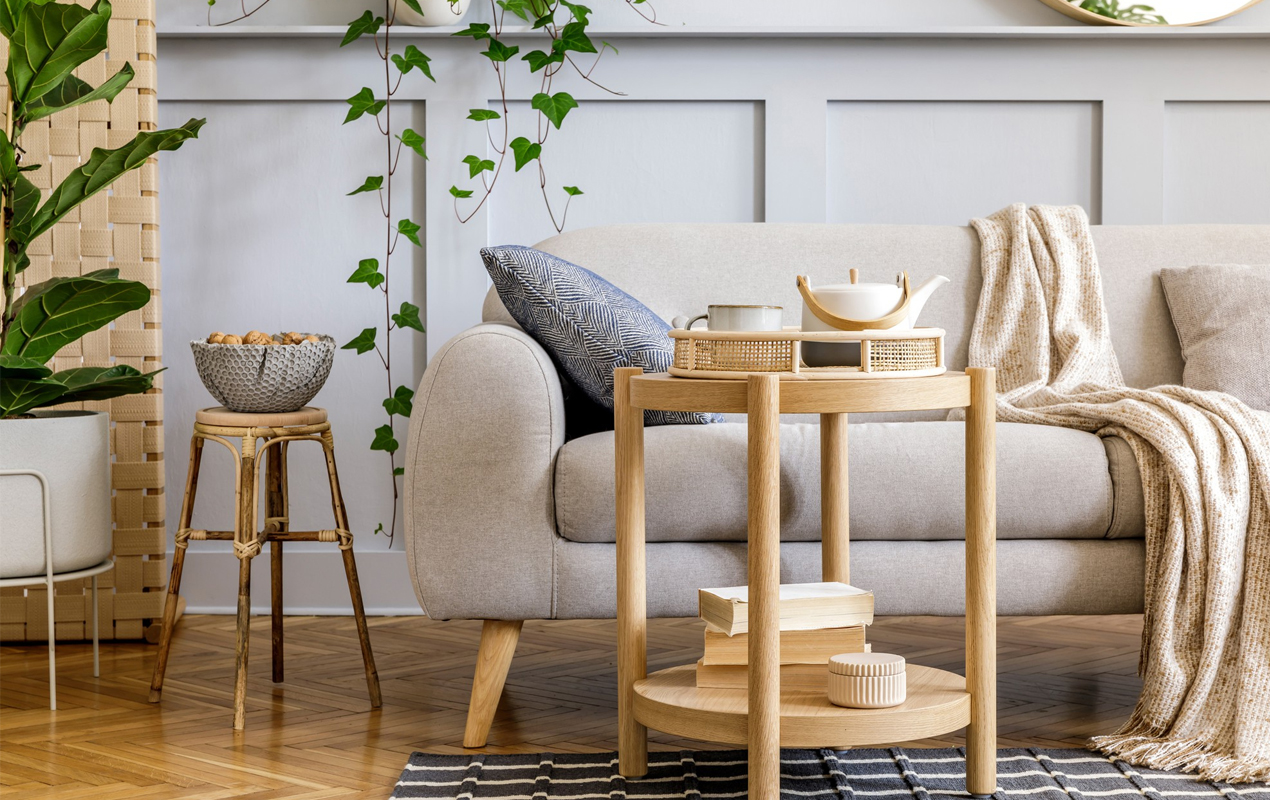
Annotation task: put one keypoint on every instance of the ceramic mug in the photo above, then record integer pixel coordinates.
(737, 318)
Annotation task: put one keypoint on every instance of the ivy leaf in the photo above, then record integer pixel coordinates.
(396, 471)
(610, 46)
(460, 193)
(414, 6)
(544, 20)
(399, 403)
(579, 12)
(573, 191)
(409, 230)
(372, 183)
(363, 102)
(363, 342)
(525, 151)
(538, 59)
(521, 8)
(367, 272)
(413, 58)
(574, 38)
(366, 23)
(483, 114)
(554, 107)
(500, 52)
(477, 30)
(477, 165)
(408, 317)
(384, 440)
(412, 140)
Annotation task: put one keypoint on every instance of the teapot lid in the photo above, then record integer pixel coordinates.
(856, 286)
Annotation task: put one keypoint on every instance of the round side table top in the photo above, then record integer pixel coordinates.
(660, 391)
(223, 417)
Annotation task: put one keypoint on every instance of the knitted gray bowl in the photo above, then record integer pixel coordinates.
(262, 379)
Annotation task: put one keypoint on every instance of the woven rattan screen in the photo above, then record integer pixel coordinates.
(119, 229)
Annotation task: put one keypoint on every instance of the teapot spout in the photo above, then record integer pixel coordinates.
(919, 297)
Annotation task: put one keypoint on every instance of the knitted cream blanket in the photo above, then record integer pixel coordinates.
(1205, 464)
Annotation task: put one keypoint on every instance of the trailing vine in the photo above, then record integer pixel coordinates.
(563, 24)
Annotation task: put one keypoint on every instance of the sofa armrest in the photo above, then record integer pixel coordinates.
(479, 516)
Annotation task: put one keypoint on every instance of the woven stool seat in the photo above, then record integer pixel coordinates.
(223, 417)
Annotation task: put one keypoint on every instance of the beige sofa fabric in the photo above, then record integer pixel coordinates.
(907, 483)
(1222, 316)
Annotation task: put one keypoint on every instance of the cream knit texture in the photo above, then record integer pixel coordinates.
(1205, 463)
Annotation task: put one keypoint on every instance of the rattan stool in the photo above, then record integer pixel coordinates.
(278, 432)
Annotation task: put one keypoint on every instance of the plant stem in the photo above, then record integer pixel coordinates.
(389, 16)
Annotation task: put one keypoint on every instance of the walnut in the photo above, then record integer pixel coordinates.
(256, 337)
(312, 338)
(231, 338)
(293, 338)
(215, 338)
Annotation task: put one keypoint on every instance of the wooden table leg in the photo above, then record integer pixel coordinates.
(632, 610)
(835, 526)
(763, 408)
(276, 521)
(245, 533)
(981, 583)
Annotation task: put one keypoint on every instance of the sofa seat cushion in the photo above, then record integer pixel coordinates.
(906, 480)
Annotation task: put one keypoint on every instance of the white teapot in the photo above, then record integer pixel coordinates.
(859, 306)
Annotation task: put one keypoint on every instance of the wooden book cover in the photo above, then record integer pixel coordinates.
(803, 606)
(797, 647)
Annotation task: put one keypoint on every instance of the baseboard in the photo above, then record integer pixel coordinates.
(313, 581)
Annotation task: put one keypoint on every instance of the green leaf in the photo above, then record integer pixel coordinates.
(413, 58)
(363, 342)
(538, 59)
(412, 140)
(52, 314)
(384, 440)
(11, 13)
(101, 170)
(460, 193)
(396, 471)
(483, 114)
(20, 395)
(408, 317)
(580, 12)
(574, 38)
(102, 383)
(610, 46)
(499, 52)
(477, 30)
(367, 272)
(363, 102)
(544, 20)
(476, 165)
(21, 367)
(366, 23)
(371, 184)
(572, 191)
(414, 6)
(399, 403)
(525, 151)
(554, 107)
(521, 8)
(26, 198)
(50, 41)
(74, 92)
(409, 230)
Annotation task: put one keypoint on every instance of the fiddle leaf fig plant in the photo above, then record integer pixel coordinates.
(47, 41)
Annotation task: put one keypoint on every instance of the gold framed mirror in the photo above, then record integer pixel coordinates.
(1150, 13)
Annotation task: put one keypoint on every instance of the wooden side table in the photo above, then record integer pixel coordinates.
(766, 718)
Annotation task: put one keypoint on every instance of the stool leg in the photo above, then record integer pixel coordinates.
(245, 533)
(178, 563)
(350, 571)
(275, 509)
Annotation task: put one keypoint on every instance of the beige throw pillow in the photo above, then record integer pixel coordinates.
(1222, 316)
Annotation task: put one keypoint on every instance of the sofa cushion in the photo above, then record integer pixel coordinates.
(906, 483)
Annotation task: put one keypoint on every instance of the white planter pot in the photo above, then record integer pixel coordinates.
(72, 449)
(435, 13)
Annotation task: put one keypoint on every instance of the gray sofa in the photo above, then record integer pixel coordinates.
(506, 520)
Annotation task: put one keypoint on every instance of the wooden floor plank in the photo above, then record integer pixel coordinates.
(315, 737)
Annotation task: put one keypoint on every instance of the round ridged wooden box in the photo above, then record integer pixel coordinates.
(867, 680)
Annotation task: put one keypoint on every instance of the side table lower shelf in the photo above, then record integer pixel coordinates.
(669, 701)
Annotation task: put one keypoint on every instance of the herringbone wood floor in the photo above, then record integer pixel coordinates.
(1062, 679)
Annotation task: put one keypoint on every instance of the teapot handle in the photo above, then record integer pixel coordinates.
(846, 324)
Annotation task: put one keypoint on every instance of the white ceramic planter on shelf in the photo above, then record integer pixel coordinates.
(435, 13)
(72, 449)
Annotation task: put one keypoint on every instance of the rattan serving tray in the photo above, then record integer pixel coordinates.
(731, 355)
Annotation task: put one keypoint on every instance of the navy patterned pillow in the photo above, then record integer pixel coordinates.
(588, 325)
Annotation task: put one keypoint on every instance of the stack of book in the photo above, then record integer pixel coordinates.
(817, 620)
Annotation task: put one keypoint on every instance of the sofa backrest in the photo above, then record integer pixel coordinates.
(681, 268)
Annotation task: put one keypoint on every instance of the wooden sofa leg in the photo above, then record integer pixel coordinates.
(498, 644)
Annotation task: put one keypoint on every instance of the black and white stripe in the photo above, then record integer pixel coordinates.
(890, 774)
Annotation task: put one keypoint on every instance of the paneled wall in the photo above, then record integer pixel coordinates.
(838, 123)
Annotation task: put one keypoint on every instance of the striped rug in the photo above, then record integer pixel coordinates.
(890, 774)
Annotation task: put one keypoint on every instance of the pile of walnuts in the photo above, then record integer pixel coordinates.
(257, 337)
